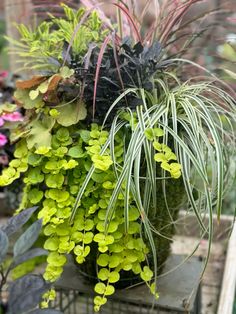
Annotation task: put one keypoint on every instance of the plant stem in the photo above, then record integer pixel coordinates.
(119, 20)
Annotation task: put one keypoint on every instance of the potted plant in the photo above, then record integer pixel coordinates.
(113, 143)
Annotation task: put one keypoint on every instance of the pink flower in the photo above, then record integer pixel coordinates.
(13, 117)
(232, 19)
(1, 121)
(3, 74)
(3, 139)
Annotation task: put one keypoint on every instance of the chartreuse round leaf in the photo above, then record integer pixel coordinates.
(100, 288)
(34, 159)
(56, 259)
(136, 268)
(66, 72)
(153, 290)
(102, 162)
(109, 290)
(112, 227)
(103, 260)
(116, 248)
(115, 260)
(42, 150)
(98, 300)
(58, 195)
(76, 152)
(62, 134)
(146, 274)
(133, 214)
(52, 272)
(35, 176)
(103, 274)
(114, 276)
(51, 244)
(66, 246)
(54, 180)
(21, 149)
(35, 196)
(71, 113)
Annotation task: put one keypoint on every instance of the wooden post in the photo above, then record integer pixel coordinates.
(16, 11)
(227, 295)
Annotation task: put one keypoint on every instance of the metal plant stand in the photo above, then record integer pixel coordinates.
(179, 290)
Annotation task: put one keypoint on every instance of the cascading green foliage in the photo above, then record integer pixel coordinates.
(55, 153)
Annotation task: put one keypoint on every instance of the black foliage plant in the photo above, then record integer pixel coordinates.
(122, 67)
(25, 293)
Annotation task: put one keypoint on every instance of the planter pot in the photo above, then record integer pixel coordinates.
(162, 222)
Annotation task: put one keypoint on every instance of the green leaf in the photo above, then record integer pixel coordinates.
(100, 300)
(85, 135)
(114, 276)
(27, 239)
(102, 162)
(136, 268)
(146, 274)
(116, 248)
(158, 132)
(62, 134)
(54, 180)
(66, 72)
(23, 97)
(115, 260)
(35, 196)
(34, 159)
(56, 259)
(21, 149)
(42, 150)
(35, 176)
(76, 152)
(109, 290)
(58, 195)
(72, 113)
(103, 260)
(34, 94)
(160, 157)
(103, 274)
(157, 146)
(40, 133)
(100, 288)
(149, 134)
(51, 244)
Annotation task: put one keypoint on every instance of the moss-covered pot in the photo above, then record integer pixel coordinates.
(163, 223)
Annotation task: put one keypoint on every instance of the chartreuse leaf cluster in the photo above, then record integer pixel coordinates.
(43, 47)
(53, 176)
